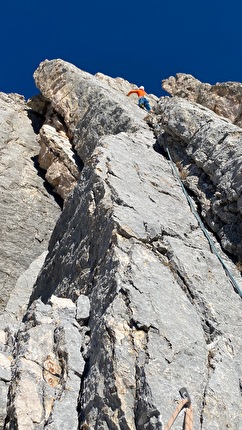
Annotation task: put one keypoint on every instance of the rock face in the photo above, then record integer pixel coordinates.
(28, 212)
(225, 99)
(131, 304)
(210, 151)
(58, 159)
(28, 215)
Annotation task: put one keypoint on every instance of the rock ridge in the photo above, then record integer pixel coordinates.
(225, 98)
(130, 304)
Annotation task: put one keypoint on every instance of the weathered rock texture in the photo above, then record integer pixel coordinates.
(209, 150)
(28, 213)
(131, 304)
(58, 159)
(225, 98)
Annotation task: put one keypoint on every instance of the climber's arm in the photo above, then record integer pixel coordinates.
(132, 92)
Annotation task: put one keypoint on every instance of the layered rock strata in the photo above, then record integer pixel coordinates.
(131, 304)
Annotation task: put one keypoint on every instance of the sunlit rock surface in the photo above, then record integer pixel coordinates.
(224, 98)
(130, 304)
(27, 210)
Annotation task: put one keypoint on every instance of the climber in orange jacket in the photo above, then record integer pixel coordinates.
(143, 102)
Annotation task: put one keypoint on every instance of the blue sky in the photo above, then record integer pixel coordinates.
(141, 41)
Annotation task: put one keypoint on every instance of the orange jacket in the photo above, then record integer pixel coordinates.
(140, 93)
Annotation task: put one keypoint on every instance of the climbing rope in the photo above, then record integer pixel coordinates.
(195, 213)
(185, 403)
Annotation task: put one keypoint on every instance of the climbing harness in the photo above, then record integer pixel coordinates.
(227, 271)
(185, 403)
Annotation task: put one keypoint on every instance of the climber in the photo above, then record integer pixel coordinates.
(143, 102)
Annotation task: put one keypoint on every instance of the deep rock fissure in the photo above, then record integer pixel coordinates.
(104, 408)
(143, 412)
(147, 416)
(49, 189)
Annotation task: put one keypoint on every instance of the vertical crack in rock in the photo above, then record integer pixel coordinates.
(57, 156)
(122, 396)
(216, 333)
(240, 386)
(48, 367)
(207, 319)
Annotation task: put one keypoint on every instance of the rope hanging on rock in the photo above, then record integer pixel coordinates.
(195, 213)
(185, 403)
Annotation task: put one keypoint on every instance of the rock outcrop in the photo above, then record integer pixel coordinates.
(225, 98)
(209, 150)
(131, 304)
(57, 157)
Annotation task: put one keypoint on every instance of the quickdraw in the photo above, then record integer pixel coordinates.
(185, 403)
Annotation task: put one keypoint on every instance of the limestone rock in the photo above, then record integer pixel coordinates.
(48, 367)
(17, 304)
(89, 107)
(224, 98)
(38, 104)
(58, 158)
(71, 96)
(210, 150)
(158, 297)
(83, 308)
(131, 303)
(185, 86)
(165, 325)
(27, 211)
(28, 214)
(62, 133)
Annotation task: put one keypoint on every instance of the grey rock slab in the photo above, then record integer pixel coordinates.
(5, 367)
(211, 148)
(47, 368)
(153, 323)
(28, 396)
(128, 259)
(3, 402)
(64, 414)
(221, 324)
(175, 355)
(140, 210)
(19, 297)
(89, 106)
(28, 213)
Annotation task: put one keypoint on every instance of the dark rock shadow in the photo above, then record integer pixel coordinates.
(37, 120)
(41, 173)
(160, 150)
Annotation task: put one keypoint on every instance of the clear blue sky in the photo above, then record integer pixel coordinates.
(141, 41)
